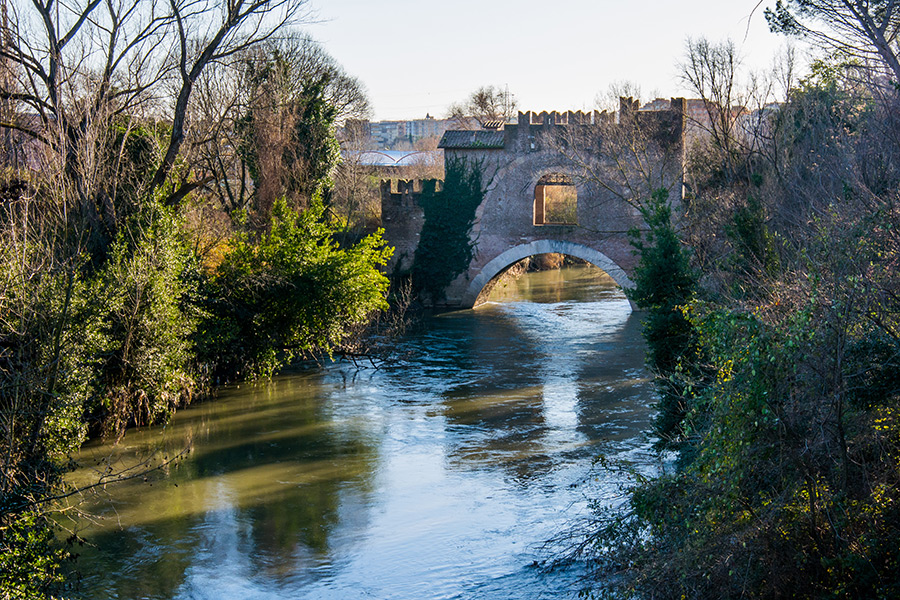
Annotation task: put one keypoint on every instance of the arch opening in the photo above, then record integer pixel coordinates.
(513, 255)
(549, 278)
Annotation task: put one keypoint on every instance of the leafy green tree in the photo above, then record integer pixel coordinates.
(146, 298)
(664, 283)
(293, 292)
(30, 557)
(755, 255)
(51, 338)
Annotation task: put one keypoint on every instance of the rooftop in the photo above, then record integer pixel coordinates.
(393, 158)
(472, 139)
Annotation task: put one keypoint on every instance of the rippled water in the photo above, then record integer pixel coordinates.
(439, 475)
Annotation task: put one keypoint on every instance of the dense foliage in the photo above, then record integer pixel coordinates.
(664, 282)
(81, 348)
(145, 297)
(788, 478)
(292, 292)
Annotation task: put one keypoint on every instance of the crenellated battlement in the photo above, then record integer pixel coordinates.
(533, 131)
(627, 107)
(402, 216)
(395, 190)
(564, 118)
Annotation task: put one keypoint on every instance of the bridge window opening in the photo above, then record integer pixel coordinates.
(555, 201)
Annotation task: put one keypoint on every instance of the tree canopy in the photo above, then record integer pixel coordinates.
(863, 30)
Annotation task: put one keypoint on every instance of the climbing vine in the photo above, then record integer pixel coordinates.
(445, 248)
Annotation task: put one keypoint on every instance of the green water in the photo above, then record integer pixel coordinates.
(438, 475)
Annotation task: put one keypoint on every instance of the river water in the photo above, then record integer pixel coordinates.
(438, 475)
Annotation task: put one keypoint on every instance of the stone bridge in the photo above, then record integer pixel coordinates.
(541, 197)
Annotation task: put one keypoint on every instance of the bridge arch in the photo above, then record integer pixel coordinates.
(513, 255)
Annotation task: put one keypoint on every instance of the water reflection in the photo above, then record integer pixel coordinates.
(260, 493)
(558, 371)
(434, 477)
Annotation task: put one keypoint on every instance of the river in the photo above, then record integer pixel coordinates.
(438, 475)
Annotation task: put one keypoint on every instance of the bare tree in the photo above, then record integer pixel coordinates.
(258, 100)
(309, 59)
(357, 194)
(486, 104)
(710, 71)
(83, 67)
(609, 100)
(728, 121)
(785, 67)
(628, 155)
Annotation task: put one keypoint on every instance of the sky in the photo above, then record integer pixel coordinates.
(416, 57)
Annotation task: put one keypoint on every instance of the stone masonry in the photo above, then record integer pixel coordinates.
(515, 160)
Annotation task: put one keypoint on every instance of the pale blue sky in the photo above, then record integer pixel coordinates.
(418, 56)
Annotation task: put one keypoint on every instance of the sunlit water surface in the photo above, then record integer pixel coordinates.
(439, 475)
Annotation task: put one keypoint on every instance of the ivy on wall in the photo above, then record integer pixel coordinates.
(445, 248)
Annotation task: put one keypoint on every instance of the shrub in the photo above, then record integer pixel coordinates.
(293, 292)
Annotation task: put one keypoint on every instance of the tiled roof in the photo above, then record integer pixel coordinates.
(472, 140)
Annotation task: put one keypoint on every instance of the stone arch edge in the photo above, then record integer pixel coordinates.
(511, 256)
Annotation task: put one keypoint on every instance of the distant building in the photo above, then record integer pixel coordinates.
(387, 135)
